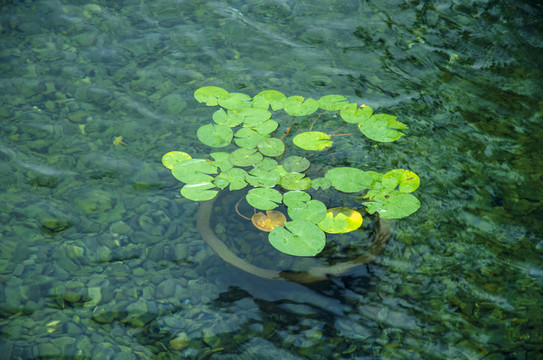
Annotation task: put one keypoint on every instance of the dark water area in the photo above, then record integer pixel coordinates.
(100, 257)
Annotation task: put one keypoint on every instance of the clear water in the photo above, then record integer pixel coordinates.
(100, 257)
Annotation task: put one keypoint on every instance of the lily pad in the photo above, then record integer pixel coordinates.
(264, 198)
(194, 171)
(210, 95)
(173, 158)
(234, 177)
(333, 102)
(313, 211)
(199, 192)
(407, 180)
(267, 164)
(340, 220)
(382, 127)
(354, 114)
(230, 118)
(312, 140)
(295, 181)
(221, 160)
(215, 135)
(321, 183)
(269, 97)
(267, 222)
(235, 101)
(264, 179)
(266, 127)
(248, 138)
(299, 106)
(302, 238)
(349, 180)
(271, 147)
(253, 117)
(296, 199)
(245, 157)
(394, 206)
(296, 164)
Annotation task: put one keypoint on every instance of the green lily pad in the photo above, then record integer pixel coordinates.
(215, 135)
(245, 157)
(407, 180)
(267, 164)
(235, 101)
(221, 160)
(313, 211)
(253, 117)
(340, 220)
(333, 102)
(210, 95)
(248, 138)
(173, 158)
(264, 179)
(298, 106)
(302, 238)
(295, 181)
(321, 183)
(296, 199)
(199, 192)
(230, 118)
(381, 127)
(264, 198)
(394, 206)
(266, 127)
(349, 180)
(312, 140)
(269, 97)
(271, 147)
(354, 114)
(234, 177)
(194, 171)
(296, 164)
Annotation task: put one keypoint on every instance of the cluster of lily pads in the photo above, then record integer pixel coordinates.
(258, 162)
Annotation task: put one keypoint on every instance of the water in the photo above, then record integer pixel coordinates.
(100, 257)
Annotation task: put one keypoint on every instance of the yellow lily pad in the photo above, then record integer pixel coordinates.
(340, 220)
(269, 221)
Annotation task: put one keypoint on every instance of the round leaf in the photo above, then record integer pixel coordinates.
(381, 127)
(296, 199)
(215, 135)
(271, 147)
(312, 140)
(235, 177)
(199, 192)
(340, 220)
(235, 101)
(267, 222)
(266, 127)
(245, 157)
(194, 171)
(296, 164)
(221, 160)
(230, 119)
(210, 95)
(394, 206)
(349, 180)
(312, 211)
(263, 198)
(295, 181)
(355, 115)
(301, 239)
(332, 102)
(248, 138)
(322, 183)
(173, 158)
(253, 117)
(269, 97)
(407, 180)
(264, 179)
(296, 106)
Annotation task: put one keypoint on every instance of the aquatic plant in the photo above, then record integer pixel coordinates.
(258, 162)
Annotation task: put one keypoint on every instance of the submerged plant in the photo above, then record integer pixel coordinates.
(258, 162)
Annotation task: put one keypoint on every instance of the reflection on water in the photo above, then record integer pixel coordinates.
(100, 259)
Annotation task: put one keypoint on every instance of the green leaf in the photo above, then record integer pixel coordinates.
(347, 179)
(235, 101)
(312, 140)
(381, 127)
(173, 158)
(394, 206)
(264, 179)
(296, 106)
(267, 164)
(269, 97)
(199, 192)
(313, 211)
(333, 102)
(296, 164)
(266, 127)
(296, 199)
(215, 135)
(354, 114)
(245, 157)
(322, 183)
(230, 119)
(340, 220)
(210, 95)
(295, 181)
(235, 177)
(221, 160)
(271, 147)
(301, 239)
(194, 171)
(264, 198)
(407, 180)
(248, 138)
(253, 117)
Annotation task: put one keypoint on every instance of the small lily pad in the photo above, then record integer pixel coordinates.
(295, 181)
(382, 127)
(266, 127)
(394, 206)
(199, 192)
(296, 199)
(234, 177)
(407, 180)
(302, 238)
(245, 157)
(210, 95)
(248, 138)
(312, 140)
(221, 160)
(340, 220)
(264, 198)
(235, 101)
(267, 222)
(230, 118)
(253, 117)
(271, 147)
(333, 102)
(313, 211)
(194, 171)
(354, 114)
(296, 164)
(215, 135)
(269, 97)
(298, 106)
(321, 183)
(173, 158)
(349, 180)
